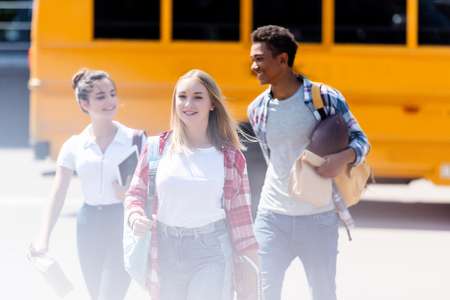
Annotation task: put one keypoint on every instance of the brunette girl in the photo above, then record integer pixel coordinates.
(93, 154)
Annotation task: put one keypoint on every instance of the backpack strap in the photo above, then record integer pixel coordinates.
(317, 99)
(137, 139)
(153, 161)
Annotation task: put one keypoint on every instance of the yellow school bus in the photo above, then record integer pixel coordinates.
(389, 58)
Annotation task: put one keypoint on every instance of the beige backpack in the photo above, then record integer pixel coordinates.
(352, 181)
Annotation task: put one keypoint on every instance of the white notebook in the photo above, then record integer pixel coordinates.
(252, 278)
(126, 164)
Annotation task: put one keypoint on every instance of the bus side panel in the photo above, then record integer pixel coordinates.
(405, 119)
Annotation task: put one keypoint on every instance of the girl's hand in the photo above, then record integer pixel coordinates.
(142, 225)
(40, 247)
(121, 190)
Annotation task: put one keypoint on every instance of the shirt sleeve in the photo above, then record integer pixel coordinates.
(144, 142)
(241, 221)
(255, 117)
(66, 157)
(251, 117)
(357, 138)
(137, 194)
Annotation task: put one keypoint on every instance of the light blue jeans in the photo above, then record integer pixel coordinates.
(195, 263)
(312, 238)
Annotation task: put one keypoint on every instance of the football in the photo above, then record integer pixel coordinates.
(330, 136)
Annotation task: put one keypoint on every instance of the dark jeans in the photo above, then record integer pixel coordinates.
(100, 251)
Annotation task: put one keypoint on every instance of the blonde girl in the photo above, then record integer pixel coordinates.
(202, 217)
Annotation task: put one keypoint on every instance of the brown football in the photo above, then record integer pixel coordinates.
(330, 136)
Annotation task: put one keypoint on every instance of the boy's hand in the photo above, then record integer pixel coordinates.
(336, 162)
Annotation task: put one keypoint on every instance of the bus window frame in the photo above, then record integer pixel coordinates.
(412, 23)
(246, 27)
(328, 26)
(412, 29)
(245, 23)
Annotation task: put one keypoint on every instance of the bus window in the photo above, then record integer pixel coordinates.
(434, 22)
(370, 21)
(131, 19)
(213, 20)
(15, 22)
(302, 17)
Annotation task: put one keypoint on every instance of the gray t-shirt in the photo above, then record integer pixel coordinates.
(290, 124)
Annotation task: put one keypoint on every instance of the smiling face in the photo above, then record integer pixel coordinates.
(193, 103)
(102, 100)
(268, 69)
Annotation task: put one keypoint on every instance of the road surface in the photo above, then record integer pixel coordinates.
(400, 251)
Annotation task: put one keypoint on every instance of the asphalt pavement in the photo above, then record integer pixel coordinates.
(400, 250)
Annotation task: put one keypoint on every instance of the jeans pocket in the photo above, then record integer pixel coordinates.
(225, 245)
(328, 220)
(210, 240)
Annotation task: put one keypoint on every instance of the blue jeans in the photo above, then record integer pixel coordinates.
(312, 238)
(195, 263)
(100, 251)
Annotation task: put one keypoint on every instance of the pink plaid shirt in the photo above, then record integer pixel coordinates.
(236, 203)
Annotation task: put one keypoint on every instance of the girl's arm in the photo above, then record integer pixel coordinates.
(240, 211)
(137, 198)
(240, 218)
(54, 206)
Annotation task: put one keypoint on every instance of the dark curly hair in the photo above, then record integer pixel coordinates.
(278, 40)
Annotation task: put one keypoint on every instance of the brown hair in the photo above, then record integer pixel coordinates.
(222, 128)
(83, 83)
(278, 40)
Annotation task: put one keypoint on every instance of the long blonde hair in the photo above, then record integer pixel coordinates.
(222, 128)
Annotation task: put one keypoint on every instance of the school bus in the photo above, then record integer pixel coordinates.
(389, 58)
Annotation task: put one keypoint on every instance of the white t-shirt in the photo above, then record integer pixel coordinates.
(190, 187)
(95, 169)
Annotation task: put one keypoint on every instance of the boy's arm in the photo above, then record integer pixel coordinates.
(358, 146)
(336, 162)
(357, 138)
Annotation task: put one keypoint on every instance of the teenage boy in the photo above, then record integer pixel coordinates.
(283, 119)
